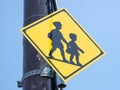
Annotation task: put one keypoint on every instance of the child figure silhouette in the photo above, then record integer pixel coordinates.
(72, 49)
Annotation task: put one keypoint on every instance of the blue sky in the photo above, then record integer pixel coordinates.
(100, 18)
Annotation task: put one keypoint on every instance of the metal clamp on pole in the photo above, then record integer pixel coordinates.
(47, 72)
(44, 71)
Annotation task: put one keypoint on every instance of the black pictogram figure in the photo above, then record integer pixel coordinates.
(72, 49)
(56, 36)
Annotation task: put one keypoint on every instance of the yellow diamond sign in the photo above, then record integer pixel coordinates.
(63, 43)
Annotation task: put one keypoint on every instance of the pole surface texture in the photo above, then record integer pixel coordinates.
(34, 10)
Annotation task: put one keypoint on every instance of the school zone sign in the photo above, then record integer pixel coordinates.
(63, 43)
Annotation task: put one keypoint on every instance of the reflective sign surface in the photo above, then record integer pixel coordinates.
(63, 43)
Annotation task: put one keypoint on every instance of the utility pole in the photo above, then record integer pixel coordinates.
(34, 75)
(34, 10)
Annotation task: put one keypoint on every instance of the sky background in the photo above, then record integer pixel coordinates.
(100, 18)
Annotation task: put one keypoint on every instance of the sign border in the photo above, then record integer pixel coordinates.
(23, 31)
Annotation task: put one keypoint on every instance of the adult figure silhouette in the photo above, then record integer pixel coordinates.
(56, 36)
(72, 49)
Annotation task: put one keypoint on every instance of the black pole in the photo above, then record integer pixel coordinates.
(34, 10)
(54, 5)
